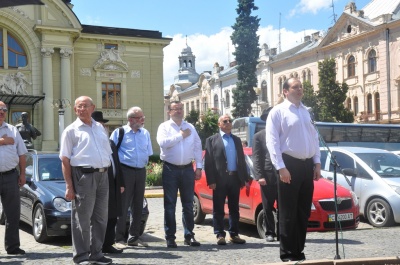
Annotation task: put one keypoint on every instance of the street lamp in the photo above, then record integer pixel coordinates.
(61, 104)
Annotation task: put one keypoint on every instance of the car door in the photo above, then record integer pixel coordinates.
(247, 194)
(24, 191)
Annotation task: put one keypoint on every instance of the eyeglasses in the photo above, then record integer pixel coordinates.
(4, 109)
(138, 118)
(83, 106)
(177, 109)
(227, 121)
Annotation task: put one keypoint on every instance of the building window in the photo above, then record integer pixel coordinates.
(216, 103)
(348, 104)
(377, 106)
(309, 76)
(264, 91)
(198, 105)
(227, 99)
(351, 66)
(280, 85)
(109, 46)
(187, 108)
(16, 54)
(369, 103)
(192, 105)
(304, 76)
(111, 95)
(372, 61)
(355, 106)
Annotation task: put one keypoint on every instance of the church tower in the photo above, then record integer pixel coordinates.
(187, 75)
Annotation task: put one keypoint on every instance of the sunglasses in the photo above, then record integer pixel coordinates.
(4, 109)
(227, 121)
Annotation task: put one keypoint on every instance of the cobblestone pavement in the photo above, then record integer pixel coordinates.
(364, 242)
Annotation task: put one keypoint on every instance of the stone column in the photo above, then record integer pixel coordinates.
(49, 142)
(66, 92)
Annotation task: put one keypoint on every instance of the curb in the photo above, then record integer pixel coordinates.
(361, 261)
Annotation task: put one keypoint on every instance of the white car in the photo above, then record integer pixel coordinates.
(373, 174)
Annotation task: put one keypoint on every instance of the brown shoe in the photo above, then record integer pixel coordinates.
(237, 240)
(221, 241)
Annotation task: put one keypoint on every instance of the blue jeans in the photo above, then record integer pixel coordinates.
(175, 179)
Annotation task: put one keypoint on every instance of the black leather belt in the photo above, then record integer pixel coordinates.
(296, 159)
(8, 172)
(92, 170)
(134, 168)
(179, 166)
(232, 173)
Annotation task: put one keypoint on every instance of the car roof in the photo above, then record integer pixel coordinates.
(353, 149)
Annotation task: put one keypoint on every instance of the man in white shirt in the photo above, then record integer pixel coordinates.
(85, 154)
(293, 145)
(180, 145)
(12, 153)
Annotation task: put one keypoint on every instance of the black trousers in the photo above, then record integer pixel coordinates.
(295, 206)
(269, 194)
(109, 239)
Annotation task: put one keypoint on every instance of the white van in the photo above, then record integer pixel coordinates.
(373, 174)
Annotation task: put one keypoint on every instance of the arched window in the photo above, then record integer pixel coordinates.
(304, 76)
(227, 99)
(280, 85)
(355, 100)
(369, 103)
(377, 106)
(351, 66)
(296, 75)
(190, 63)
(184, 63)
(309, 76)
(372, 61)
(16, 54)
(348, 103)
(264, 91)
(216, 103)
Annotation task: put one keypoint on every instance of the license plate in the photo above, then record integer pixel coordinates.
(341, 217)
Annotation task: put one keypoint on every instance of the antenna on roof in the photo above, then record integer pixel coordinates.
(186, 40)
(334, 14)
(279, 44)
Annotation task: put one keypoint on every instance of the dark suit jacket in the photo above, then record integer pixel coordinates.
(215, 163)
(115, 184)
(262, 163)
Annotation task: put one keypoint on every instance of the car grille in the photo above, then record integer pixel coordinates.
(343, 224)
(343, 204)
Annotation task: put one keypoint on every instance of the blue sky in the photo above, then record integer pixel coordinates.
(207, 24)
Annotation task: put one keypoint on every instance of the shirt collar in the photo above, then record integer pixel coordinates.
(223, 134)
(4, 125)
(286, 103)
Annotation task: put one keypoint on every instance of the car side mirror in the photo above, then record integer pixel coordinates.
(350, 172)
(28, 180)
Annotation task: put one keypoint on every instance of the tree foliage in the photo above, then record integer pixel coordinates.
(245, 40)
(328, 103)
(206, 125)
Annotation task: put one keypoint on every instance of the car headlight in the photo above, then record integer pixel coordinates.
(313, 207)
(61, 204)
(395, 188)
(355, 198)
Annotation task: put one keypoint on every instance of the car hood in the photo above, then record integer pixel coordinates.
(392, 181)
(323, 189)
(56, 188)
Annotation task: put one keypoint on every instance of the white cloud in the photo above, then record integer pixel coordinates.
(310, 6)
(214, 48)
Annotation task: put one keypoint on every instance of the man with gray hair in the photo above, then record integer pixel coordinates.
(134, 148)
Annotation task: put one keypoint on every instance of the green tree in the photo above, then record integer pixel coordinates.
(245, 40)
(193, 117)
(207, 126)
(331, 94)
(310, 99)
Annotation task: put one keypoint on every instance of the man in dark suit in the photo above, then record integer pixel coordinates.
(226, 174)
(116, 187)
(265, 174)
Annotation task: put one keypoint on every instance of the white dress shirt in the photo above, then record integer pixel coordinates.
(174, 148)
(10, 153)
(86, 145)
(289, 130)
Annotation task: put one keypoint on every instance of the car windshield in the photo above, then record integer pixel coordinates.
(50, 169)
(385, 164)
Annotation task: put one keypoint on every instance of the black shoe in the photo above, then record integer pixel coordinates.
(102, 261)
(191, 242)
(111, 249)
(171, 243)
(16, 251)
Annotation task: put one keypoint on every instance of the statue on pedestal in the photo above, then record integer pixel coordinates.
(27, 131)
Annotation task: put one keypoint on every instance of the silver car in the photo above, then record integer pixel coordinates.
(374, 175)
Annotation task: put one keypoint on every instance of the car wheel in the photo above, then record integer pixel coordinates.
(2, 215)
(39, 225)
(261, 224)
(198, 214)
(379, 213)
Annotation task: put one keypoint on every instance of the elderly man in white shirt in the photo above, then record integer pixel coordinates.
(293, 145)
(85, 154)
(180, 145)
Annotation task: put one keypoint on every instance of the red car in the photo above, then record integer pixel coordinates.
(322, 209)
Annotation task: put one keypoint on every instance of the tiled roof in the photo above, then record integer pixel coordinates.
(376, 8)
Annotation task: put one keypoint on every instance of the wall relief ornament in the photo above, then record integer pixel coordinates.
(15, 84)
(135, 74)
(110, 60)
(86, 72)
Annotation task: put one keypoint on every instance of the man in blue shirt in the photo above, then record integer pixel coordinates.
(133, 153)
(226, 173)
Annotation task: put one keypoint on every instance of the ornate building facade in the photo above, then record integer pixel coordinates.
(49, 58)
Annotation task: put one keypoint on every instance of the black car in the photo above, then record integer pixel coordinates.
(43, 205)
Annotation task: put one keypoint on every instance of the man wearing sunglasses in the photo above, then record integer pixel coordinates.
(12, 153)
(226, 174)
